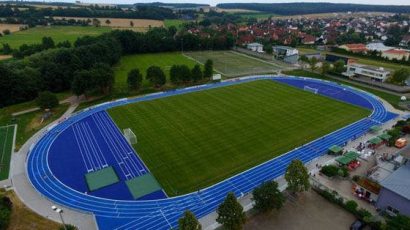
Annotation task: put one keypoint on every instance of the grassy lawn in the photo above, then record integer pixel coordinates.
(6, 148)
(144, 61)
(391, 98)
(28, 123)
(174, 22)
(58, 33)
(24, 218)
(195, 140)
(232, 64)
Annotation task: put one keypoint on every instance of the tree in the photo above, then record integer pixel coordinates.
(184, 73)
(96, 22)
(268, 48)
(339, 67)
(268, 197)
(103, 77)
(64, 44)
(189, 222)
(196, 73)
(134, 79)
(400, 76)
(6, 32)
(131, 23)
(47, 43)
(47, 100)
(313, 61)
(325, 68)
(156, 76)
(297, 177)
(399, 222)
(230, 213)
(7, 49)
(208, 71)
(107, 21)
(81, 82)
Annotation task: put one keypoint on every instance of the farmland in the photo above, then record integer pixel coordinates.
(58, 33)
(194, 140)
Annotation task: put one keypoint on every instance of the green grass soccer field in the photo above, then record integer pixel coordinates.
(195, 140)
(144, 61)
(58, 33)
(6, 148)
(231, 64)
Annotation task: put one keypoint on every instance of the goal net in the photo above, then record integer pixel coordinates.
(311, 89)
(130, 136)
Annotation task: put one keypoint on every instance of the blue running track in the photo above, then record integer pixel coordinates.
(89, 141)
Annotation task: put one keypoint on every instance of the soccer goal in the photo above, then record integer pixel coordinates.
(130, 136)
(311, 89)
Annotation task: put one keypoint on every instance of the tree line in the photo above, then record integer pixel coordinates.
(313, 8)
(65, 68)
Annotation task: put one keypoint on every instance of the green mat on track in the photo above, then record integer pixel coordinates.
(143, 185)
(101, 178)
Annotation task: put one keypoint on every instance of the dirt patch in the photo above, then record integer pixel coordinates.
(309, 211)
(4, 57)
(11, 27)
(122, 22)
(23, 218)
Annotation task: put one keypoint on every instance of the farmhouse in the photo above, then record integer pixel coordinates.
(374, 73)
(256, 47)
(355, 48)
(397, 54)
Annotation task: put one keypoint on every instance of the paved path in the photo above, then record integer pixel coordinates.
(31, 198)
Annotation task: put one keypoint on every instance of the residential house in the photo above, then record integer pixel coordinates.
(405, 41)
(374, 73)
(256, 47)
(355, 48)
(394, 196)
(397, 54)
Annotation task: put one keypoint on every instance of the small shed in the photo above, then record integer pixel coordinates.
(335, 150)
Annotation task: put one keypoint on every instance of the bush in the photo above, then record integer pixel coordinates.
(343, 172)
(6, 32)
(363, 213)
(5, 212)
(351, 206)
(330, 170)
(356, 178)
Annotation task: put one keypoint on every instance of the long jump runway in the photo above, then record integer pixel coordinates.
(115, 209)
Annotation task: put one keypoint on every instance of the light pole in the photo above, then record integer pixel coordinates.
(60, 212)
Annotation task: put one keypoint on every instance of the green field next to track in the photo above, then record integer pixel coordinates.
(232, 64)
(195, 140)
(6, 149)
(144, 61)
(57, 33)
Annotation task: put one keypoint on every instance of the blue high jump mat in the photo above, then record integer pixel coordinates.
(101, 178)
(143, 185)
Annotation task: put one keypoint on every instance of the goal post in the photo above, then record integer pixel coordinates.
(311, 89)
(130, 136)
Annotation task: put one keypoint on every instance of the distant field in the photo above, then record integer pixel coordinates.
(58, 33)
(11, 27)
(122, 23)
(6, 149)
(259, 16)
(232, 64)
(174, 22)
(195, 140)
(143, 61)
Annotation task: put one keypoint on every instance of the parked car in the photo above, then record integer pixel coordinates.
(357, 225)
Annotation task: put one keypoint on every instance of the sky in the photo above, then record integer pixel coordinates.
(214, 2)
